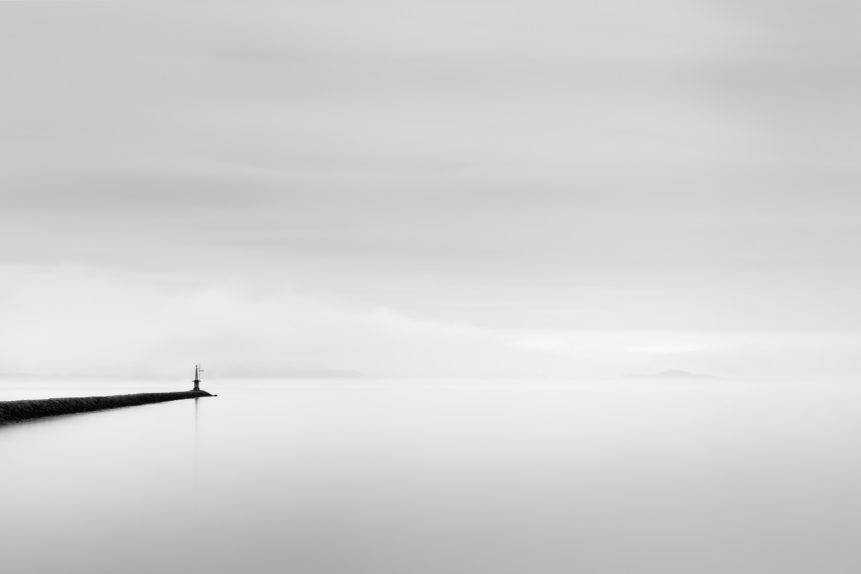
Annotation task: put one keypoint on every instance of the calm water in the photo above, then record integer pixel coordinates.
(443, 477)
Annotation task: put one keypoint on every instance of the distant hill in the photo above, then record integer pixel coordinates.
(673, 374)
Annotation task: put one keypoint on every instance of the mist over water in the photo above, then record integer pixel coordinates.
(368, 476)
(533, 194)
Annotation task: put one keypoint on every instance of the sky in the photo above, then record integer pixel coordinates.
(430, 189)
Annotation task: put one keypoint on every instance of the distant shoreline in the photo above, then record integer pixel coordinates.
(20, 411)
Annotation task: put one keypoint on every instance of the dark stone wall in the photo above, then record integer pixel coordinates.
(17, 411)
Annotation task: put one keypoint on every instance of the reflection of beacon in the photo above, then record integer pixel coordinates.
(196, 378)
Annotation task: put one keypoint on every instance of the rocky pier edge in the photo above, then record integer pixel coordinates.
(20, 411)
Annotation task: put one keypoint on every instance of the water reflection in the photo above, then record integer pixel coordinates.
(196, 445)
(377, 477)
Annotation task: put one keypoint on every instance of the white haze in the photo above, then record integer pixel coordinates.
(430, 189)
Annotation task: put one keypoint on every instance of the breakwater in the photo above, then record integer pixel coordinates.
(18, 411)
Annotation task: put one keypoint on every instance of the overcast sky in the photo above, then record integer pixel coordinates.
(470, 188)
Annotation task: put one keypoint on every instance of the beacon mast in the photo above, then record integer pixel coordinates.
(196, 378)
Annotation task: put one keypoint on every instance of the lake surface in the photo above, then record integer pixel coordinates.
(448, 477)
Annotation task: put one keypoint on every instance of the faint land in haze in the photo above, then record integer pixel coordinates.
(672, 374)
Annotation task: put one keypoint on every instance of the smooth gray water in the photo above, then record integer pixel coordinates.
(354, 477)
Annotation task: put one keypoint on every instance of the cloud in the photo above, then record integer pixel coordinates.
(443, 179)
(71, 320)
